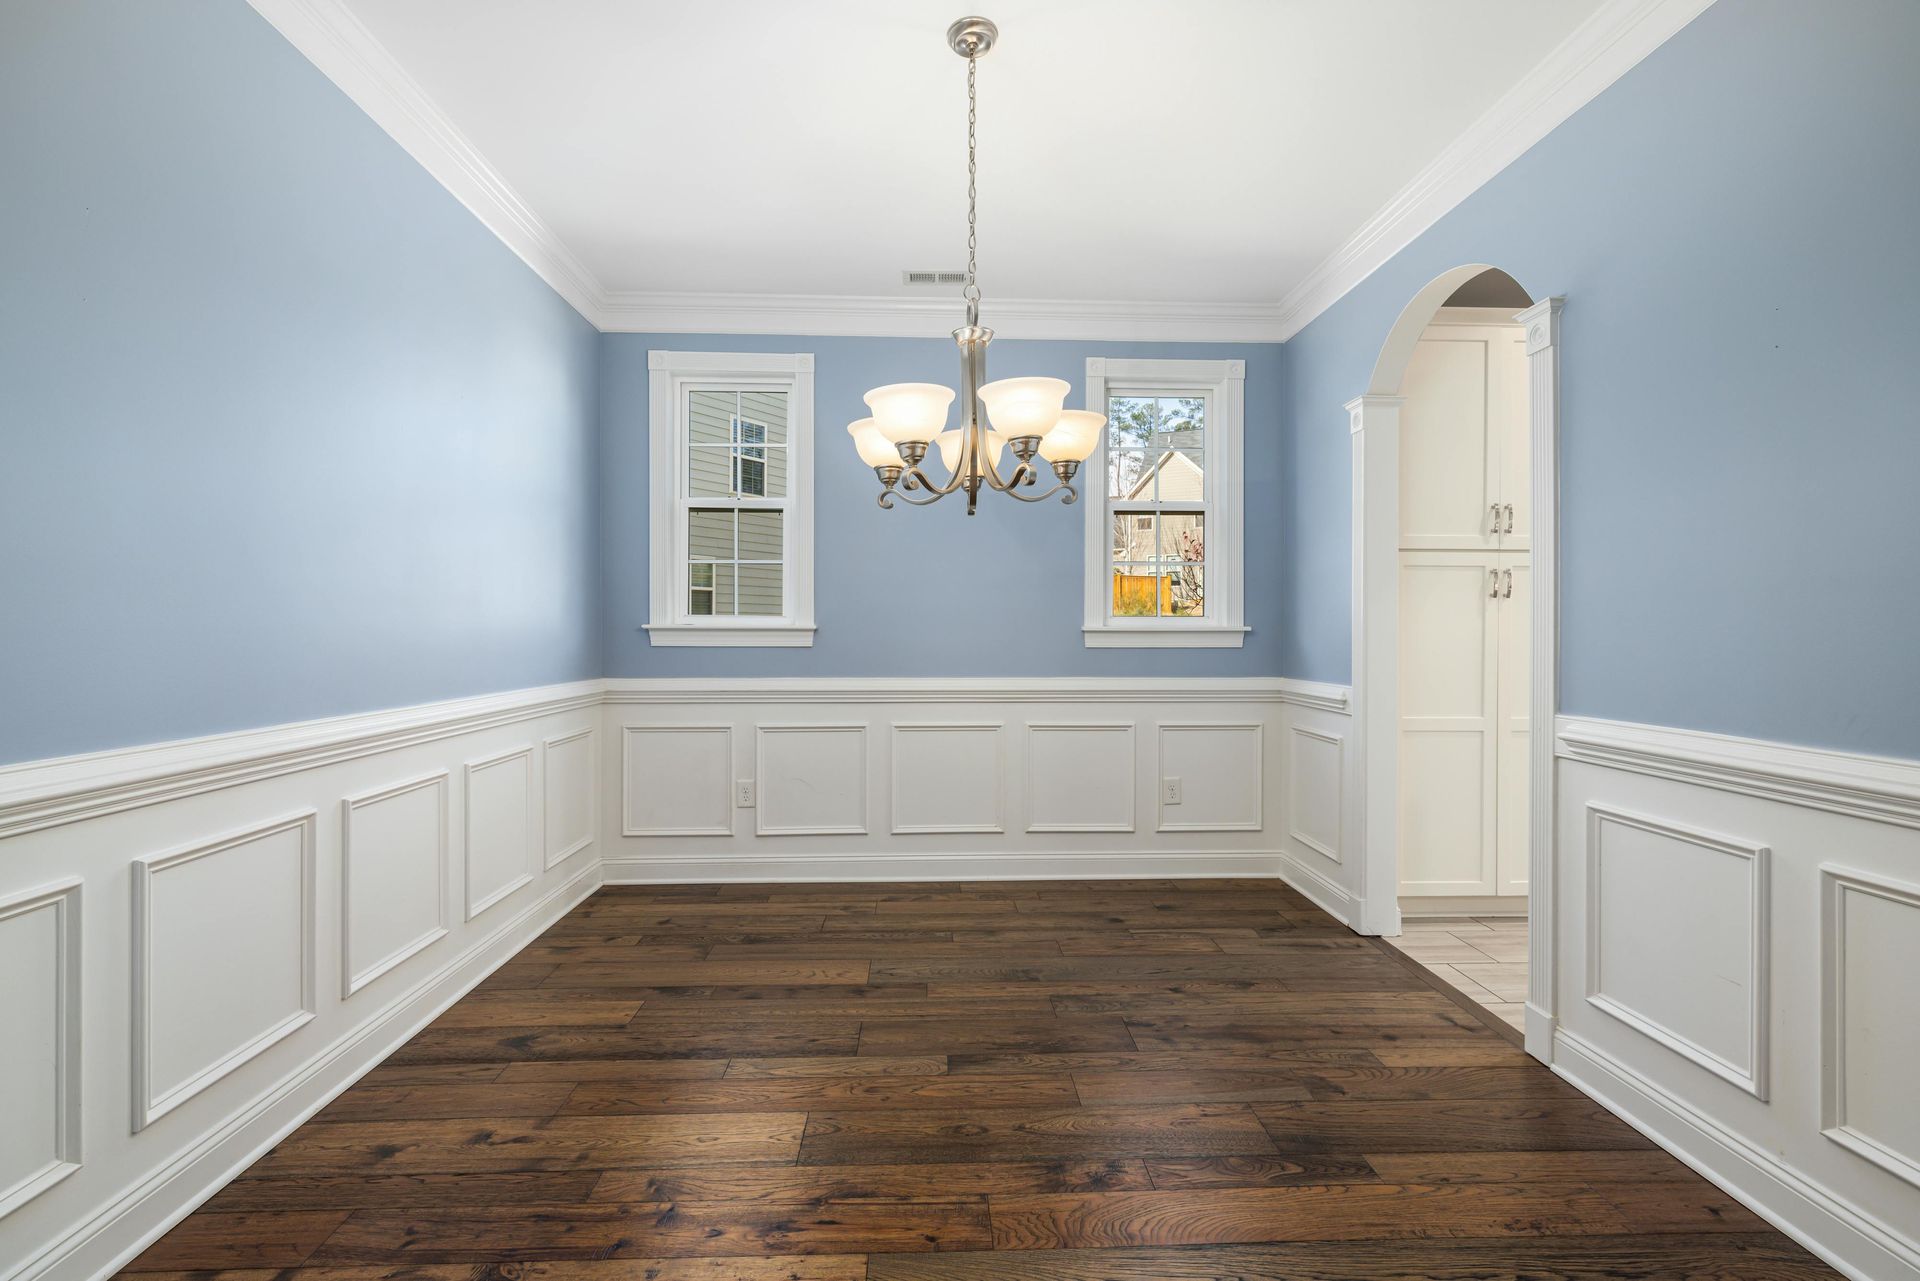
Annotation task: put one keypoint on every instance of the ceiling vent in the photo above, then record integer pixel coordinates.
(933, 277)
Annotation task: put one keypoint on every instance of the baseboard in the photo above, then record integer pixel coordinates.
(105, 1243)
(1326, 894)
(937, 867)
(1849, 1240)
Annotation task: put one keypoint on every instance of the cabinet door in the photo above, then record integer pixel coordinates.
(1449, 695)
(1515, 706)
(1510, 416)
(1449, 465)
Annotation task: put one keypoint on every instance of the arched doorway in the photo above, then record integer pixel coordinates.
(1374, 419)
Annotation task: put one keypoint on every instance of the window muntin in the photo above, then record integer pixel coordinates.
(1157, 497)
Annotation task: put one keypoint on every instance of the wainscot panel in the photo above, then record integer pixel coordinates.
(1739, 926)
(267, 915)
(964, 778)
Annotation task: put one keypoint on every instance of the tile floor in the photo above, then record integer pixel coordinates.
(1484, 956)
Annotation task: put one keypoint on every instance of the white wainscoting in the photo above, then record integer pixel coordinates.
(570, 766)
(1739, 934)
(223, 940)
(500, 826)
(1740, 921)
(266, 916)
(40, 1048)
(965, 779)
(395, 876)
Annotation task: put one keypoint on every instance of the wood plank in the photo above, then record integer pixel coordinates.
(1340, 1082)
(990, 1036)
(825, 1184)
(1277, 1005)
(1164, 969)
(248, 1239)
(651, 973)
(789, 1267)
(1755, 1258)
(1020, 1063)
(1456, 1052)
(1168, 1032)
(1194, 1086)
(1178, 1129)
(862, 1065)
(836, 1092)
(573, 1071)
(498, 1234)
(427, 1102)
(1650, 1166)
(905, 1007)
(1328, 1212)
(1176, 1173)
(832, 948)
(564, 1143)
(362, 1190)
(765, 1039)
(1392, 1125)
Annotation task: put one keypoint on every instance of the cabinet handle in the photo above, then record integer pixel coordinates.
(1508, 593)
(1494, 528)
(1493, 589)
(1509, 528)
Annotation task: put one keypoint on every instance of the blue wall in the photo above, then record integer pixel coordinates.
(284, 431)
(917, 591)
(1735, 226)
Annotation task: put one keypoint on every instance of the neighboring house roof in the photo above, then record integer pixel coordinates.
(1181, 479)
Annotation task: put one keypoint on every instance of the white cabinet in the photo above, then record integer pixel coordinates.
(1465, 587)
(1463, 439)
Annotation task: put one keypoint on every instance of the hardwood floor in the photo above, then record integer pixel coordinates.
(1151, 1080)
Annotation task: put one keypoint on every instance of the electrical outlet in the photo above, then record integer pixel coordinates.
(743, 793)
(1170, 791)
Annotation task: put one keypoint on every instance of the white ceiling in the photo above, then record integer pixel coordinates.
(1204, 151)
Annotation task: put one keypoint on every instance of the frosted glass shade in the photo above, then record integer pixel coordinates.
(1024, 406)
(1074, 437)
(875, 450)
(950, 442)
(910, 411)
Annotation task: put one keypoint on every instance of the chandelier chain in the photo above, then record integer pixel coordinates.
(972, 291)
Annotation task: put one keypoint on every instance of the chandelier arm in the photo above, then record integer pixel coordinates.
(1071, 492)
(888, 495)
(926, 483)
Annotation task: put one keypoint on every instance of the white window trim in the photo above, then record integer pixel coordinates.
(669, 375)
(1225, 382)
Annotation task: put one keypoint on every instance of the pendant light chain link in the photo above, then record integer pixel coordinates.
(972, 291)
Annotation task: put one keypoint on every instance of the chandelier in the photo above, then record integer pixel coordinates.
(1024, 415)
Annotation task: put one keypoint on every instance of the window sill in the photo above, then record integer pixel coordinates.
(1121, 636)
(742, 636)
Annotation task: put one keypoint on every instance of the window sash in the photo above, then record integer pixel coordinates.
(1206, 444)
(747, 442)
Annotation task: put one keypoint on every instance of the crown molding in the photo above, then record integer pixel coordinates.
(1602, 49)
(336, 42)
(830, 315)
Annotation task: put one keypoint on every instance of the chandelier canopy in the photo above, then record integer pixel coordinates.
(1025, 415)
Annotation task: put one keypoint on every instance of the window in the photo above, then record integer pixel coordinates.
(1163, 514)
(732, 499)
